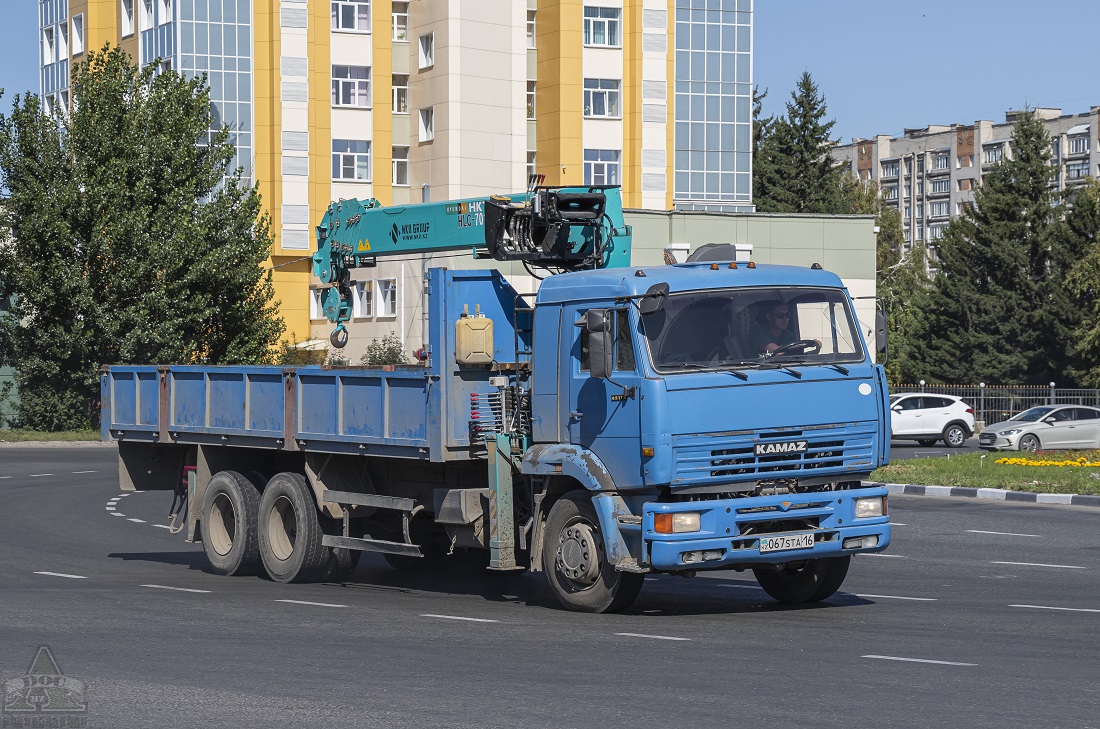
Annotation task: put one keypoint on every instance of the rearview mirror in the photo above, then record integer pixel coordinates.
(600, 343)
(880, 331)
(1048, 421)
(654, 299)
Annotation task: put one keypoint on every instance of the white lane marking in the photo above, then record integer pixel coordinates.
(117, 513)
(897, 597)
(127, 494)
(458, 617)
(1040, 564)
(316, 604)
(162, 526)
(37, 475)
(5, 476)
(76, 472)
(897, 523)
(1048, 607)
(115, 500)
(1003, 534)
(920, 660)
(136, 521)
(744, 587)
(179, 589)
(110, 508)
(62, 574)
(655, 637)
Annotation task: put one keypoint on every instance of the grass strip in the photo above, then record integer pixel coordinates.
(19, 435)
(1059, 475)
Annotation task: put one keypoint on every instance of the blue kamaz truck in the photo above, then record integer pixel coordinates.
(624, 421)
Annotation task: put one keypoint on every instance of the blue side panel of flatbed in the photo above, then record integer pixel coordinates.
(406, 411)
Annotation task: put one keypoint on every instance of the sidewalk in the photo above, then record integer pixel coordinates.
(1027, 497)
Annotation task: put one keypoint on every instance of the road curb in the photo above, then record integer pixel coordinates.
(1027, 497)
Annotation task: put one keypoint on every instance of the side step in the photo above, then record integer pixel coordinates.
(372, 545)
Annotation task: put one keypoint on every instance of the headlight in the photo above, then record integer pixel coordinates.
(677, 522)
(1011, 431)
(874, 506)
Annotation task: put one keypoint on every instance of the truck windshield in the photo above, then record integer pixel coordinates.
(746, 328)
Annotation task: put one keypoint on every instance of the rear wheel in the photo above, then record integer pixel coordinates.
(954, 435)
(1029, 443)
(926, 442)
(290, 531)
(229, 531)
(575, 560)
(808, 581)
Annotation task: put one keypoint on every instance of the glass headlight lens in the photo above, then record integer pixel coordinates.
(874, 506)
(1011, 431)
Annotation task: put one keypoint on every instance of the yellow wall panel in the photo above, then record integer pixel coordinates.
(320, 113)
(670, 94)
(632, 104)
(267, 115)
(381, 95)
(559, 92)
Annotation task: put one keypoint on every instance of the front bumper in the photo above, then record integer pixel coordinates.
(998, 442)
(731, 529)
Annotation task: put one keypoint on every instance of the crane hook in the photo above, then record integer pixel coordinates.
(339, 336)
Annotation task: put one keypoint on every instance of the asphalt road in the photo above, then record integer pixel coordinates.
(979, 615)
(901, 450)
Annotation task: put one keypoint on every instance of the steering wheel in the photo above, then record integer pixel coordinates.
(802, 346)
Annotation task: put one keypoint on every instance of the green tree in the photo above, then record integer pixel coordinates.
(385, 351)
(1080, 231)
(132, 240)
(998, 307)
(793, 171)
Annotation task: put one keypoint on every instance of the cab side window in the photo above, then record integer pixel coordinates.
(624, 345)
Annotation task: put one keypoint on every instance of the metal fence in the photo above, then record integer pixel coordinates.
(995, 403)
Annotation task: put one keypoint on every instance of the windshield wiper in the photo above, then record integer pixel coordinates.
(764, 365)
(806, 362)
(716, 367)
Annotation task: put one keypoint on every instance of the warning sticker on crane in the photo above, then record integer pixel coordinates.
(364, 245)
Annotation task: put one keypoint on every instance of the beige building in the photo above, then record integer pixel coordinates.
(929, 174)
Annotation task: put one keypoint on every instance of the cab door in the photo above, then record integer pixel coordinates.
(604, 415)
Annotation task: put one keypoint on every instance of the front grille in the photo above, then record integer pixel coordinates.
(718, 460)
(987, 437)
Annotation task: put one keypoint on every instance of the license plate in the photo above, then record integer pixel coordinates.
(784, 542)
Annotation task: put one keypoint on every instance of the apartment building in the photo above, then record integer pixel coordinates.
(930, 174)
(417, 100)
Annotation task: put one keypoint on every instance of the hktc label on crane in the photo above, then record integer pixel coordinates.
(470, 214)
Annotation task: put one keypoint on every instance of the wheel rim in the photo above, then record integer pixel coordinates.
(955, 436)
(223, 525)
(282, 528)
(1029, 443)
(579, 557)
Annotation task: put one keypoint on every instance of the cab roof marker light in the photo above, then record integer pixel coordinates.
(714, 266)
(751, 264)
(733, 264)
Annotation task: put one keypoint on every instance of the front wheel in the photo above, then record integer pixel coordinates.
(575, 560)
(954, 435)
(1029, 443)
(808, 581)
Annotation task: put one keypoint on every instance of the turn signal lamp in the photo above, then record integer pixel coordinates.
(677, 523)
(647, 451)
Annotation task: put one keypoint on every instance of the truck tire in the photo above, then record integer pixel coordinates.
(341, 563)
(229, 531)
(575, 561)
(808, 581)
(290, 531)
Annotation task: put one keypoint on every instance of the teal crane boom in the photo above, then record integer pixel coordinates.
(552, 228)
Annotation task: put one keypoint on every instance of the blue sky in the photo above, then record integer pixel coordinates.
(883, 65)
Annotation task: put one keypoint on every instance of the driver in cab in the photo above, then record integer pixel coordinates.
(773, 331)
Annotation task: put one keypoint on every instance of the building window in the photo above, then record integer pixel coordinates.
(427, 50)
(78, 34)
(49, 47)
(387, 297)
(939, 209)
(400, 93)
(531, 165)
(1077, 170)
(165, 11)
(351, 16)
(601, 167)
(362, 301)
(601, 27)
(400, 21)
(530, 28)
(63, 41)
(401, 166)
(1078, 145)
(908, 166)
(940, 162)
(890, 169)
(350, 160)
(315, 309)
(530, 99)
(890, 193)
(601, 97)
(920, 211)
(905, 191)
(992, 155)
(936, 231)
(908, 212)
(427, 124)
(920, 164)
(940, 186)
(145, 14)
(920, 232)
(127, 18)
(351, 86)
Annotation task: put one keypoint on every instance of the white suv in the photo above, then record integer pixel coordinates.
(929, 418)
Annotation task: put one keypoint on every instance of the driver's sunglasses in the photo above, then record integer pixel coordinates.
(780, 315)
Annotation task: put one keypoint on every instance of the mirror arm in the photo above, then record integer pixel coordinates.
(628, 392)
